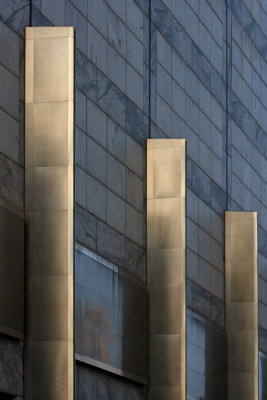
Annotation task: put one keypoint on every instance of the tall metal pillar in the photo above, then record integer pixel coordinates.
(242, 304)
(49, 93)
(166, 267)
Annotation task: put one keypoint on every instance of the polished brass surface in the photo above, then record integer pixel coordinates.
(111, 317)
(242, 304)
(49, 88)
(166, 267)
(11, 273)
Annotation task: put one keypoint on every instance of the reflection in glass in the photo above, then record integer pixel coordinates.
(206, 360)
(111, 316)
(262, 376)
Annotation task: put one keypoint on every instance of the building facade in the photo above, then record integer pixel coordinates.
(143, 70)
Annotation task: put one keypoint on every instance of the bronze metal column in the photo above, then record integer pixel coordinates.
(49, 213)
(242, 304)
(166, 267)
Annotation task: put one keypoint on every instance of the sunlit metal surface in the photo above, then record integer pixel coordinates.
(206, 359)
(111, 317)
(11, 272)
(242, 304)
(166, 267)
(49, 213)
